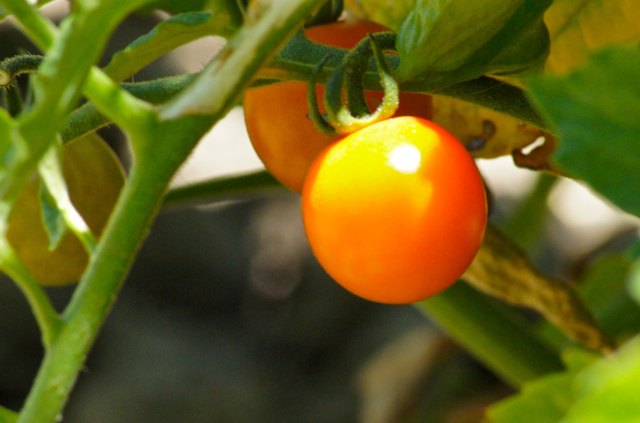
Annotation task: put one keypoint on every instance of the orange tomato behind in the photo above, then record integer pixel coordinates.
(283, 135)
(395, 212)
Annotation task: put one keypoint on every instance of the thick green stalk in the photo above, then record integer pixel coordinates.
(500, 340)
(257, 42)
(87, 118)
(71, 52)
(222, 188)
(161, 147)
(93, 299)
(39, 29)
(8, 416)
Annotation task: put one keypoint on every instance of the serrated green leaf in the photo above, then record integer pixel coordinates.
(52, 218)
(545, 400)
(608, 390)
(595, 111)
(458, 39)
(579, 27)
(166, 36)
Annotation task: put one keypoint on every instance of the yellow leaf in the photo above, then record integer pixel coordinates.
(390, 13)
(579, 27)
(486, 134)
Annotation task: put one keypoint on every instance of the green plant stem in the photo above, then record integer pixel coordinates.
(222, 188)
(160, 147)
(46, 316)
(487, 92)
(18, 65)
(93, 298)
(39, 29)
(61, 76)
(254, 46)
(500, 340)
(8, 416)
(525, 224)
(87, 118)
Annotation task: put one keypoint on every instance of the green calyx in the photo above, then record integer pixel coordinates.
(345, 117)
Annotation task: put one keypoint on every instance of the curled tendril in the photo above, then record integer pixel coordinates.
(353, 115)
(312, 101)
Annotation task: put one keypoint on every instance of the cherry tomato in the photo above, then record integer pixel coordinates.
(94, 178)
(283, 135)
(395, 212)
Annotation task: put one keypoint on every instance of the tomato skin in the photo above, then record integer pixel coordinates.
(283, 135)
(395, 212)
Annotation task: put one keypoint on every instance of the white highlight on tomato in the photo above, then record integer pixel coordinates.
(405, 159)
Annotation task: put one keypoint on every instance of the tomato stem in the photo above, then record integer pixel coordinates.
(312, 101)
(329, 12)
(18, 65)
(355, 114)
(8, 416)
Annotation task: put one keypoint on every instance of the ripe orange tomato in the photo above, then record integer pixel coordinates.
(395, 212)
(283, 135)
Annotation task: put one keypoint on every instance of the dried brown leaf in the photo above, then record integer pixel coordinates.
(502, 269)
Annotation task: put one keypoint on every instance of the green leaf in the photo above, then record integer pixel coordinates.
(52, 218)
(545, 400)
(458, 39)
(608, 390)
(595, 111)
(50, 169)
(385, 12)
(166, 36)
(579, 27)
(528, 52)
(184, 6)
